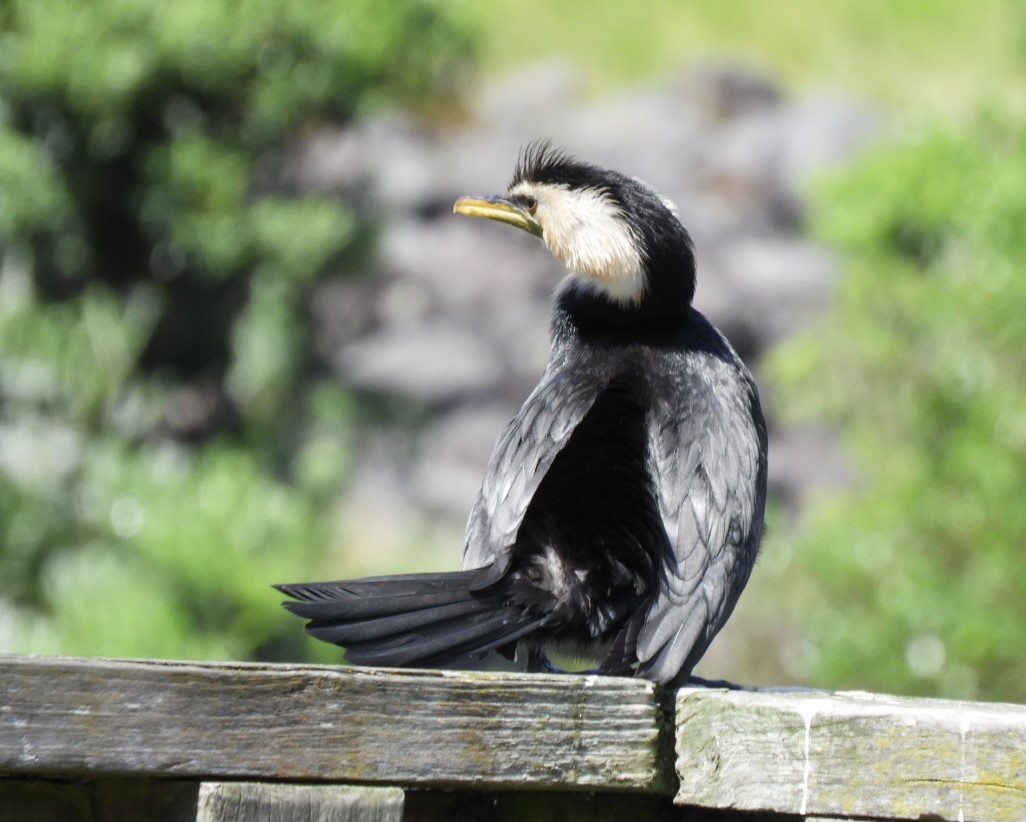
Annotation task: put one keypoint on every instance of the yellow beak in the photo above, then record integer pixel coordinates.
(499, 208)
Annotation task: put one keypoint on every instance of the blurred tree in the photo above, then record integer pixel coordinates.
(166, 438)
(920, 573)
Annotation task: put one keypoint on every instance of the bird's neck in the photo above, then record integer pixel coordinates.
(664, 305)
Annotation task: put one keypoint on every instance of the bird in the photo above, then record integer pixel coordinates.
(621, 511)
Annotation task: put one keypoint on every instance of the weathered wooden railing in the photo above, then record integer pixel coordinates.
(106, 740)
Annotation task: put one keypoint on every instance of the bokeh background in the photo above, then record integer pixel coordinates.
(244, 341)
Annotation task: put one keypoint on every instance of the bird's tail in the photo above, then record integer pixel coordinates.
(409, 620)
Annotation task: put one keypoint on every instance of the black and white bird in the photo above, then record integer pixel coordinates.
(622, 508)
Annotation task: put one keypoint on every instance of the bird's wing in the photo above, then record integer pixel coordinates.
(521, 457)
(707, 457)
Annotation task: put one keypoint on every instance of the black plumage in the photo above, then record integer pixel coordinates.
(622, 508)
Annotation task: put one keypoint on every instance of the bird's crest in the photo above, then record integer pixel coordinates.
(540, 161)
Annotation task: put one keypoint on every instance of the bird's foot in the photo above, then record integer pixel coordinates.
(538, 663)
(699, 682)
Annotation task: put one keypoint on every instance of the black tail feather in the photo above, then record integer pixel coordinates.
(377, 596)
(411, 619)
(396, 585)
(353, 603)
(346, 632)
(444, 642)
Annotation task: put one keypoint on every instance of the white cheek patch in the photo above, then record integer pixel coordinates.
(585, 230)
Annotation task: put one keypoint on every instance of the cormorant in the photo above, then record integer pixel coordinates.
(622, 508)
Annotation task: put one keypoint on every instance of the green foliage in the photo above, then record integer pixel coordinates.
(153, 116)
(916, 56)
(168, 442)
(113, 539)
(921, 572)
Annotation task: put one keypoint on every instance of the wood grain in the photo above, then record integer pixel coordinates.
(254, 801)
(852, 754)
(152, 718)
(815, 755)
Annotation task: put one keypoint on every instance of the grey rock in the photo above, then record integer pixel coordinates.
(530, 95)
(728, 91)
(386, 161)
(342, 311)
(463, 263)
(447, 471)
(432, 362)
(818, 133)
(772, 286)
(806, 460)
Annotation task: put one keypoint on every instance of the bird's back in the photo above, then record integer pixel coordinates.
(620, 447)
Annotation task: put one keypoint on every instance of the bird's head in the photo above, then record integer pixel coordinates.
(618, 238)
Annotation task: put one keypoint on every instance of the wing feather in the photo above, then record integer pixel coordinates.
(523, 454)
(707, 459)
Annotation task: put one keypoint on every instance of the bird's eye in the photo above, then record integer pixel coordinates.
(530, 204)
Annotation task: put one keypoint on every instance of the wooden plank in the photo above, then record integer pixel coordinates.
(852, 754)
(234, 720)
(249, 801)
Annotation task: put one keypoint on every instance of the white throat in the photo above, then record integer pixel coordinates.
(586, 231)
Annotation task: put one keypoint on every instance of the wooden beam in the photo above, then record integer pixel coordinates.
(851, 754)
(63, 715)
(248, 801)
